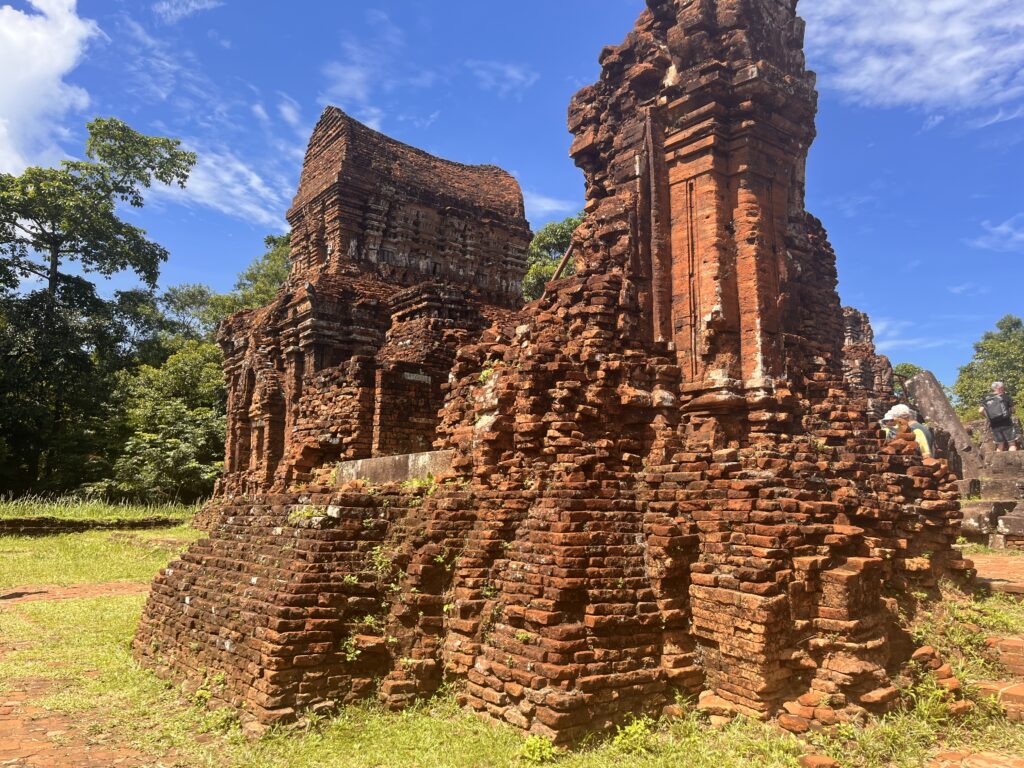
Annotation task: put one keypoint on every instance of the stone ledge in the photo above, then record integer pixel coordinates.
(396, 469)
(46, 526)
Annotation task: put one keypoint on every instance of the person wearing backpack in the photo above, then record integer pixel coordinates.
(998, 409)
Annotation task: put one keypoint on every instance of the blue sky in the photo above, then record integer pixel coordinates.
(917, 171)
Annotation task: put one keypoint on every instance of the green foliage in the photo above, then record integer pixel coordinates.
(91, 510)
(634, 738)
(61, 343)
(175, 417)
(61, 356)
(187, 310)
(546, 250)
(487, 372)
(349, 649)
(257, 285)
(53, 215)
(538, 750)
(998, 356)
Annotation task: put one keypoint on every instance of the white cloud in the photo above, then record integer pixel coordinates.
(38, 49)
(249, 175)
(891, 335)
(1001, 116)
(968, 289)
(260, 113)
(932, 54)
(541, 207)
(371, 117)
(157, 71)
(224, 182)
(290, 111)
(504, 78)
(366, 70)
(349, 81)
(854, 204)
(173, 11)
(1007, 237)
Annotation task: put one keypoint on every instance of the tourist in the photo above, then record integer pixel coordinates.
(998, 409)
(903, 415)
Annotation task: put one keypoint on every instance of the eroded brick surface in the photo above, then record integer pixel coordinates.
(667, 474)
(398, 258)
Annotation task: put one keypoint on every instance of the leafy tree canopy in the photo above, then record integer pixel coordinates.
(49, 216)
(546, 250)
(175, 419)
(999, 356)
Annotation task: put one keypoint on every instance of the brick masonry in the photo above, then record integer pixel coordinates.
(667, 478)
(398, 258)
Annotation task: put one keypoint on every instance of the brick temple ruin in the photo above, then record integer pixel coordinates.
(663, 478)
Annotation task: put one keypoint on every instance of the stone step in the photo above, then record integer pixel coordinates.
(396, 469)
(1009, 694)
(1010, 651)
(981, 518)
(1007, 465)
(1001, 488)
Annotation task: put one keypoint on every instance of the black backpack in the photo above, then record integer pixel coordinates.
(995, 408)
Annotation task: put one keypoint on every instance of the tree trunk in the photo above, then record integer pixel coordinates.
(51, 287)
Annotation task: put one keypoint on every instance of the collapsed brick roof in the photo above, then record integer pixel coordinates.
(339, 140)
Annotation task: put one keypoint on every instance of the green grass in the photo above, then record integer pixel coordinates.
(80, 510)
(84, 644)
(948, 628)
(970, 550)
(90, 557)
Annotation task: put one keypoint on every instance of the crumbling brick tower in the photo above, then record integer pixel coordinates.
(397, 258)
(662, 481)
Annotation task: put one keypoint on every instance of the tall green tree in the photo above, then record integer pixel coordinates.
(61, 342)
(50, 217)
(545, 251)
(166, 428)
(998, 356)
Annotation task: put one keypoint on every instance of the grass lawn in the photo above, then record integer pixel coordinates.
(79, 510)
(90, 557)
(83, 645)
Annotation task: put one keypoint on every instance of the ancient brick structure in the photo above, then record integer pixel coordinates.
(862, 366)
(665, 478)
(398, 257)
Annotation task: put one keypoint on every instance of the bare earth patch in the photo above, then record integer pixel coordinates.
(32, 592)
(33, 736)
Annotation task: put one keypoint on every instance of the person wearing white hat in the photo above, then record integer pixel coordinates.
(922, 434)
